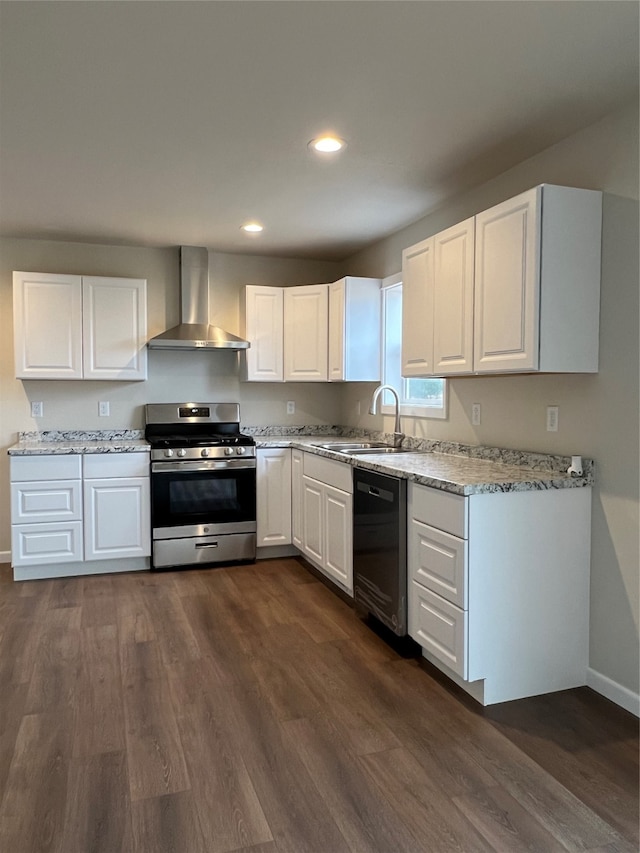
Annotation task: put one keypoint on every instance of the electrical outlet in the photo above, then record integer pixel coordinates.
(553, 417)
(103, 408)
(291, 407)
(476, 413)
(37, 409)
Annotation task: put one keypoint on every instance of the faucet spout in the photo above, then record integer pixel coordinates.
(397, 434)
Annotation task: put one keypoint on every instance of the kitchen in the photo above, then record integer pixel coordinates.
(597, 413)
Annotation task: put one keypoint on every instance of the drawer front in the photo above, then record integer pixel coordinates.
(336, 474)
(39, 544)
(439, 627)
(52, 500)
(99, 466)
(439, 509)
(38, 467)
(438, 561)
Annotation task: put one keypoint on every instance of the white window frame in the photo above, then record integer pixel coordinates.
(410, 409)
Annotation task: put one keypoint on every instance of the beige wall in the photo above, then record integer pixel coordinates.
(172, 375)
(598, 413)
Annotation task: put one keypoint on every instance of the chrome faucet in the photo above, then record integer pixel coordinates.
(397, 435)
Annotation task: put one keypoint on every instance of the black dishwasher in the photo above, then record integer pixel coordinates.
(380, 547)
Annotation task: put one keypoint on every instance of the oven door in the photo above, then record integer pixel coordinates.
(199, 498)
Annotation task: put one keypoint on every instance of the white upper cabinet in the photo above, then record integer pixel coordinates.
(79, 327)
(262, 309)
(354, 330)
(47, 326)
(453, 299)
(521, 295)
(537, 282)
(306, 333)
(417, 309)
(114, 328)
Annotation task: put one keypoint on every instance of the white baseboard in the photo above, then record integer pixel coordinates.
(622, 696)
(5, 556)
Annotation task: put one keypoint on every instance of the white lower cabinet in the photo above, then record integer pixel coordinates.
(498, 588)
(79, 510)
(46, 509)
(273, 491)
(327, 518)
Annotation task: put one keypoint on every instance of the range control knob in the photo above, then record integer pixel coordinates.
(228, 451)
(168, 452)
(240, 451)
(204, 451)
(182, 452)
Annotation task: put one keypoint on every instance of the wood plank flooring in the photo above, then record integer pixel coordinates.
(248, 709)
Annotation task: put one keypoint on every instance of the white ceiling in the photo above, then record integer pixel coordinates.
(168, 123)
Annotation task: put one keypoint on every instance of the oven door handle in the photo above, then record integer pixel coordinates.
(201, 545)
(212, 465)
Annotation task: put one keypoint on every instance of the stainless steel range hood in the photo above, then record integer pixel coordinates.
(194, 331)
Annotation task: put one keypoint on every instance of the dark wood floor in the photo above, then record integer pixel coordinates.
(248, 709)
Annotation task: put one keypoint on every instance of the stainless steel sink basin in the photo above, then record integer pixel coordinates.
(361, 448)
(363, 451)
(350, 446)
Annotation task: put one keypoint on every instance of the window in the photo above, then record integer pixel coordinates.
(420, 398)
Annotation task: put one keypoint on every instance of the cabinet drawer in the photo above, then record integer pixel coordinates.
(439, 627)
(39, 467)
(336, 474)
(102, 465)
(438, 561)
(51, 500)
(439, 509)
(39, 544)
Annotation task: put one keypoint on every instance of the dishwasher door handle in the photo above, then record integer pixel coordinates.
(375, 492)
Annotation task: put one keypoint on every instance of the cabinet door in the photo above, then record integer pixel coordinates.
(453, 300)
(355, 331)
(49, 500)
(117, 519)
(114, 328)
(417, 309)
(296, 498)
(438, 561)
(507, 285)
(439, 627)
(40, 544)
(263, 328)
(338, 550)
(306, 333)
(312, 524)
(47, 326)
(273, 491)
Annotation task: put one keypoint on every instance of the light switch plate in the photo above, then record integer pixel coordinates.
(103, 409)
(476, 414)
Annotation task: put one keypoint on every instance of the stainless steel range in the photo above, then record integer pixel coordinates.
(203, 485)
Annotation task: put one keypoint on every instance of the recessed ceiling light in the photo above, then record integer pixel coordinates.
(252, 227)
(327, 144)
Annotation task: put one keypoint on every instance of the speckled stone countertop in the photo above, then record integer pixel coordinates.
(452, 467)
(460, 469)
(56, 442)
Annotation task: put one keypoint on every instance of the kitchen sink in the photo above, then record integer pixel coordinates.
(361, 448)
(363, 451)
(350, 446)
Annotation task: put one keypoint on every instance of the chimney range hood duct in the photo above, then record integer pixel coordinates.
(194, 331)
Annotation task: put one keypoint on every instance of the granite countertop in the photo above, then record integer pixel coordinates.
(61, 442)
(460, 469)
